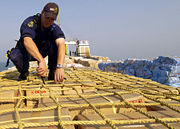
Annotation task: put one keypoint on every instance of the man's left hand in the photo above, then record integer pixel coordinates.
(59, 75)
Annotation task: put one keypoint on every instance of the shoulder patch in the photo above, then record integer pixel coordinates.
(30, 24)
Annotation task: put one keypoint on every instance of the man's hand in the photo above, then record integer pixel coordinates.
(59, 75)
(42, 69)
(34, 51)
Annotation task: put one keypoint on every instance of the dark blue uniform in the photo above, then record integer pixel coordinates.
(44, 39)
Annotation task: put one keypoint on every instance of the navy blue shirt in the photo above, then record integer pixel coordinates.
(31, 27)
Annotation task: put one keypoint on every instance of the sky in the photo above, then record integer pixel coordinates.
(118, 29)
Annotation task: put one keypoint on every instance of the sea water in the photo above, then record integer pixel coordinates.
(3, 66)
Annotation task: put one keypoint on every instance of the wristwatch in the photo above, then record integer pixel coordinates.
(58, 66)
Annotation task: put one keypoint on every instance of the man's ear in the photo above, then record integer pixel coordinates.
(42, 12)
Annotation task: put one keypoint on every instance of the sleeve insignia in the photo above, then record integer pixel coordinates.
(30, 24)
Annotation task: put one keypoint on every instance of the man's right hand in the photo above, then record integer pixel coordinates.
(42, 69)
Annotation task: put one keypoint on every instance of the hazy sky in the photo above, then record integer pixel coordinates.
(118, 29)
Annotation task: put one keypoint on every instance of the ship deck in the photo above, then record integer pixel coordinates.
(87, 99)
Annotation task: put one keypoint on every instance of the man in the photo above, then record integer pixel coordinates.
(40, 37)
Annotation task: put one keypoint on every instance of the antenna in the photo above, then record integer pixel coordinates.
(58, 20)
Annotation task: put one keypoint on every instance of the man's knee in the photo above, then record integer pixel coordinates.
(16, 55)
(18, 59)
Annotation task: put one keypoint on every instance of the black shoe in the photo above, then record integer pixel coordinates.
(23, 76)
(51, 75)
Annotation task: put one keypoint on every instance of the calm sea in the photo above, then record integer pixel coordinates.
(3, 64)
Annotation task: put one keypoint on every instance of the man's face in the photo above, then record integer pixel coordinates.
(46, 21)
